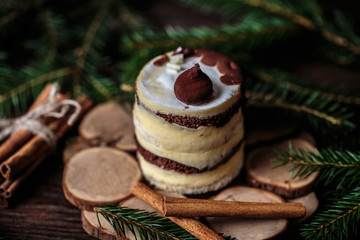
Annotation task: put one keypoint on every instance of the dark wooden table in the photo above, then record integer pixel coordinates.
(40, 210)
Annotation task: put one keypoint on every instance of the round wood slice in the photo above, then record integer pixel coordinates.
(74, 147)
(247, 229)
(108, 125)
(260, 171)
(310, 202)
(98, 176)
(92, 227)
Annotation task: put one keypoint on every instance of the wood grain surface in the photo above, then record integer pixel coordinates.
(39, 210)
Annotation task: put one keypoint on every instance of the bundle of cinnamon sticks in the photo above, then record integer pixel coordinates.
(22, 152)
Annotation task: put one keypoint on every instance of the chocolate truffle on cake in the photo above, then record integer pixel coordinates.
(188, 121)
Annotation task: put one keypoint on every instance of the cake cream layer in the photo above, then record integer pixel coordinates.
(164, 135)
(155, 90)
(189, 146)
(168, 164)
(193, 183)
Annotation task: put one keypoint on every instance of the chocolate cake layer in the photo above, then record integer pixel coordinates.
(218, 120)
(169, 164)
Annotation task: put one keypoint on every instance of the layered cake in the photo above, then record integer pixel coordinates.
(188, 121)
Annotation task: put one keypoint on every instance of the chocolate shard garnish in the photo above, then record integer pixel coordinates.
(186, 51)
(193, 86)
(161, 60)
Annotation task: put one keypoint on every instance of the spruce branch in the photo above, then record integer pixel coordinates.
(305, 13)
(278, 103)
(339, 220)
(143, 224)
(53, 34)
(252, 32)
(87, 42)
(89, 36)
(339, 167)
(326, 30)
(45, 78)
(20, 8)
(316, 109)
(296, 84)
(281, 11)
(131, 20)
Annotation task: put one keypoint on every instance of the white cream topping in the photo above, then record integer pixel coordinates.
(157, 85)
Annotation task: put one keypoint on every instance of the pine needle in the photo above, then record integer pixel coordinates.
(338, 220)
(331, 163)
(143, 224)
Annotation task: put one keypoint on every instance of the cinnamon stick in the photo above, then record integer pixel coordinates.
(33, 149)
(9, 186)
(191, 225)
(21, 136)
(3, 186)
(188, 207)
(26, 155)
(3, 202)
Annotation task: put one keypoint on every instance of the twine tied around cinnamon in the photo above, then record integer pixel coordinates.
(29, 121)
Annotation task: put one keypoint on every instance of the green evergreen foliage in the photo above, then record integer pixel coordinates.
(339, 218)
(142, 224)
(336, 221)
(339, 167)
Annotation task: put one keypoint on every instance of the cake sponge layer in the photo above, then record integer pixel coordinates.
(193, 183)
(200, 148)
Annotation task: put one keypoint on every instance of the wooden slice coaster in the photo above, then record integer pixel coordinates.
(246, 229)
(98, 176)
(91, 225)
(108, 125)
(260, 171)
(310, 202)
(74, 147)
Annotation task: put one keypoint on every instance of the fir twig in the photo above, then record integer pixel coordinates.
(22, 7)
(282, 11)
(298, 108)
(88, 40)
(53, 35)
(143, 224)
(340, 167)
(305, 13)
(339, 220)
(89, 36)
(317, 110)
(274, 76)
(279, 9)
(45, 78)
(252, 32)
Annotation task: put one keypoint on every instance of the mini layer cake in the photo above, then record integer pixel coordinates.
(188, 121)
